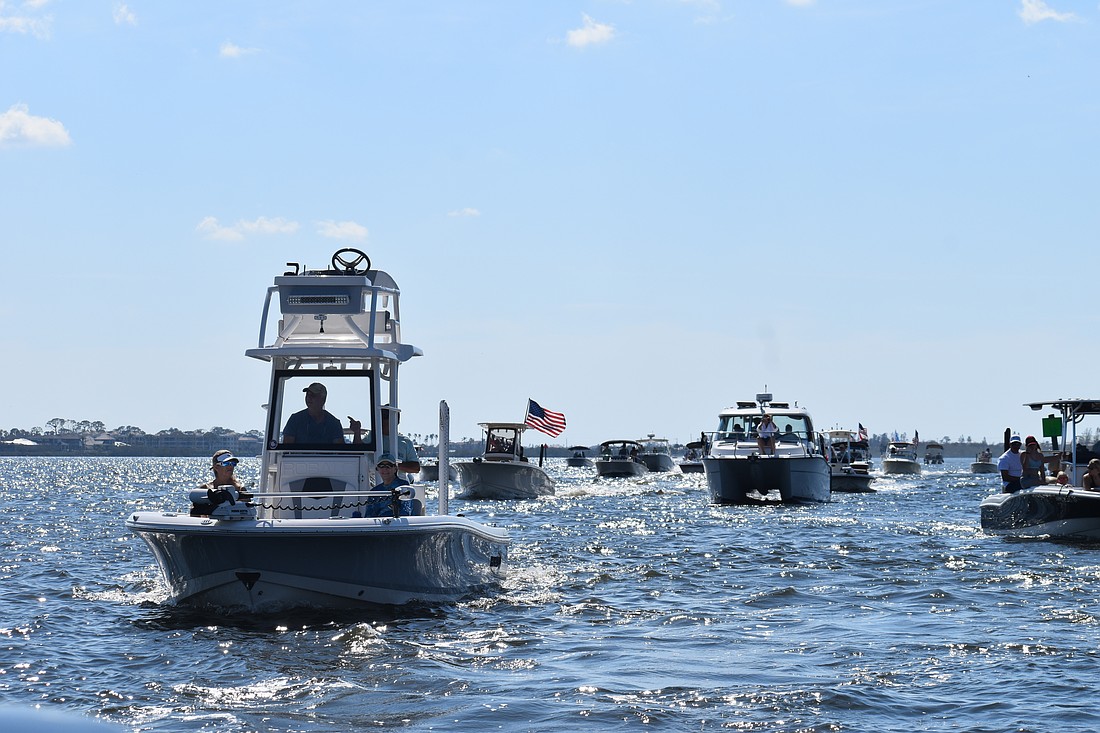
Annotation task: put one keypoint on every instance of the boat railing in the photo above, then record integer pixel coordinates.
(347, 504)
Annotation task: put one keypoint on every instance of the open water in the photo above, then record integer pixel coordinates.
(632, 604)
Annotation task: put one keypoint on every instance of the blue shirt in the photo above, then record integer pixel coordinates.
(304, 429)
(379, 506)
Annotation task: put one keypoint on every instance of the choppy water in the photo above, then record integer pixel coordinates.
(632, 604)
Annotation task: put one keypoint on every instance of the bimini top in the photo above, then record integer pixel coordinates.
(345, 313)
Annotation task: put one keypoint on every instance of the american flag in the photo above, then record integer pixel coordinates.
(547, 421)
(862, 432)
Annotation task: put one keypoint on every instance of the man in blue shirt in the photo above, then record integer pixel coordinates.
(315, 425)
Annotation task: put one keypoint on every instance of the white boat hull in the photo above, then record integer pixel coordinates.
(1043, 512)
(482, 479)
(983, 467)
(902, 466)
(430, 472)
(691, 467)
(579, 462)
(768, 479)
(269, 566)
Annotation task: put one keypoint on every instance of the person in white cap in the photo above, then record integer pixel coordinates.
(222, 464)
(1011, 466)
(315, 424)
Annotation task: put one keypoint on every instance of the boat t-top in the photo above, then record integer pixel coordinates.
(313, 533)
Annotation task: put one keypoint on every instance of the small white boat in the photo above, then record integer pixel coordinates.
(502, 471)
(580, 458)
(1051, 511)
(901, 458)
(619, 459)
(313, 533)
(656, 454)
(849, 461)
(739, 472)
(984, 463)
(933, 454)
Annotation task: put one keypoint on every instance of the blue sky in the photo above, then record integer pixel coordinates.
(636, 213)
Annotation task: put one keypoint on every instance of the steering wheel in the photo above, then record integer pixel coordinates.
(350, 265)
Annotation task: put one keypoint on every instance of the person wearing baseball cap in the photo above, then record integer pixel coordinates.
(382, 506)
(316, 425)
(1011, 466)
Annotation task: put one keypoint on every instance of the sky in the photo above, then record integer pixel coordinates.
(634, 212)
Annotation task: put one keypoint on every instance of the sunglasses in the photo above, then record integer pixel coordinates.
(387, 464)
(225, 464)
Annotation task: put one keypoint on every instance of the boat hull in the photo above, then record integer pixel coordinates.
(503, 480)
(850, 482)
(902, 466)
(659, 463)
(691, 467)
(620, 468)
(1043, 512)
(579, 462)
(767, 480)
(983, 467)
(430, 472)
(268, 566)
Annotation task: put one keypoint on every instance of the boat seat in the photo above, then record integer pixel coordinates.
(788, 438)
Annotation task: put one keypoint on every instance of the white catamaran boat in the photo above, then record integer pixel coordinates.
(1051, 511)
(901, 458)
(502, 471)
(740, 472)
(313, 534)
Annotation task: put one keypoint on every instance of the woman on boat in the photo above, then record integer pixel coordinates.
(222, 464)
(1092, 476)
(1034, 463)
(765, 435)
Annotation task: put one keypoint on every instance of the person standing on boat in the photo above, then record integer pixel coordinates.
(1011, 466)
(765, 435)
(315, 425)
(1034, 464)
(382, 506)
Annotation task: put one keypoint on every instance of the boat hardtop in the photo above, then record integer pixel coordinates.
(503, 441)
(736, 433)
(273, 546)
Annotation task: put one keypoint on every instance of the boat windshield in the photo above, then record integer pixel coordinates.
(347, 394)
(737, 427)
(502, 440)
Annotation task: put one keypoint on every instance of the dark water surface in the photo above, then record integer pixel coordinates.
(631, 604)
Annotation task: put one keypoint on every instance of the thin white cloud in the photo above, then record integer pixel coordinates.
(1036, 11)
(590, 34)
(26, 23)
(468, 211)
(19, 127)
(211, 229)
(346, 230)
(231, 50)
(123, 15)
